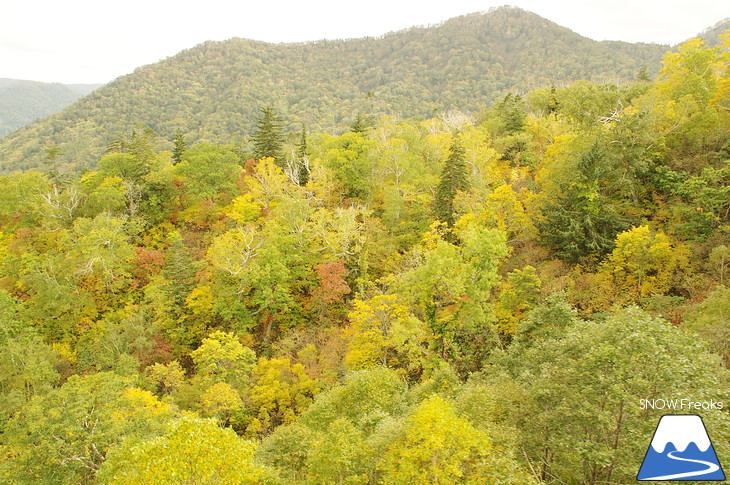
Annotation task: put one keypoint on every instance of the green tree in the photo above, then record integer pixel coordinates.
(117, 341)
(222, 358)
(210, 172)
(49, 282)
(710, 190)
(123, 165)
(139, 155)
(11, 325)
(719, 261)
(338, 439)
(643, 75)
(179, 146)
(27, 369)
(582, 222)
(101, 250)
(510, 110)
(519, 294)
(579, 411)
(350, 157)
(302, 159)
(22, 199)
(340, 455)
(632, 149)
(549, 319)
(286, 450)
(454, 178)
(711, 320)
(258, 273)
(103, 194)
(142, 143)
(179, 271)
(268, 138)
(458, 309)
(365, 398)
(360, 125)
(53, 166)
(63, 437)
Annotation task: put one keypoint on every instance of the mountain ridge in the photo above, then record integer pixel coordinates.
(22, 101)
(213, 91)
(712, 34)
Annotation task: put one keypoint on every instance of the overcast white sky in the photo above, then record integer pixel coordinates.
(87, 41)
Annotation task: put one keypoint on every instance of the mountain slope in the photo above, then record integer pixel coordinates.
(712, 34)
(24, 101)
(214, 91)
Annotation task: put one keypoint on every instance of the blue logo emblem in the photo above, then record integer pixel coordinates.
(681, 450)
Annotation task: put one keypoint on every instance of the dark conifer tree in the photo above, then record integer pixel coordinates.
(511, 110)
(643, 75)
(454, 177)
(52, 164)
(581, 224)
(269, 136)
(303, 162)
(142, 145)
(302, 145)
(360, 125)
(180, 146)
(553, 104)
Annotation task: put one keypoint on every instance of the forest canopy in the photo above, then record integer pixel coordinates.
(476, 297)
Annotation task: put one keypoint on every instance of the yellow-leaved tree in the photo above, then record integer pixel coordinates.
(645, 262)
(280, 391)
(438, 446)
(191, 451)
(383, 332)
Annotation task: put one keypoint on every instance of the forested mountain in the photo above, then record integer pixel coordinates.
(21, 102)
(214, 91)
(712, 34)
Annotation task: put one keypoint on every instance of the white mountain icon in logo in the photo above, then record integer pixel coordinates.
(680, 450)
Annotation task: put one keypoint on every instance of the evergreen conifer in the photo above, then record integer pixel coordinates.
(180, 146)
(454, 177)
(269, 136)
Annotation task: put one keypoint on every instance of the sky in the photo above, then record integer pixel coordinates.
(85, 41)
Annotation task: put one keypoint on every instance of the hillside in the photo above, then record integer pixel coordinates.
(21, 102)
(214, 91)
(712, 34)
